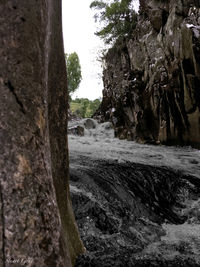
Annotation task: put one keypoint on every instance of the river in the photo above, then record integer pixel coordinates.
(135, 204)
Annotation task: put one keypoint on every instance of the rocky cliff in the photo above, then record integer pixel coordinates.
(37, 226)
(152, 80)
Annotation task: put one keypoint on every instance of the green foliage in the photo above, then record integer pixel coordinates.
(118, 18)
(84, 107)
(73, 72)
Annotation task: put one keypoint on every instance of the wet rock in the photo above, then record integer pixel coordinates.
(76, 130)
(135, 215)
(90, 128)
(156, 18)
(90, 124)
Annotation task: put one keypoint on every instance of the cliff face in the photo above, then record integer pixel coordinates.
(37, 226)
(152, 81)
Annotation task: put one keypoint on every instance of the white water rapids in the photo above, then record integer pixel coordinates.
(99, 143)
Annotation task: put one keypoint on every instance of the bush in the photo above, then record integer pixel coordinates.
(84, 107)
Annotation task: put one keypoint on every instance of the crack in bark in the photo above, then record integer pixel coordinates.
(12, 90)
(44, 163)
(3, 227)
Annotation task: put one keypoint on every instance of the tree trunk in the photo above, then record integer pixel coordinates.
(36, 220)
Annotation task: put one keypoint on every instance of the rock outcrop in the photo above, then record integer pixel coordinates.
(37, 226)
(131, 214)
(151, 80)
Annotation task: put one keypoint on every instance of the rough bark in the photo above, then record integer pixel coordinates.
(37, 223)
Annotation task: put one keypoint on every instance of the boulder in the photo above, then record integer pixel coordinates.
(90, 124)
(76, 130)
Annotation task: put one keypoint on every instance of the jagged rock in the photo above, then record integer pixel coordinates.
(37, 226)
(151, 80)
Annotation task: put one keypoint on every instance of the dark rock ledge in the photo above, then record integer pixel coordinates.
(135, 215)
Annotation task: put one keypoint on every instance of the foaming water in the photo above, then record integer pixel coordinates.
(98, 142)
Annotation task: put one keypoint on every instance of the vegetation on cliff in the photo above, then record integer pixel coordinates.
(118, 18)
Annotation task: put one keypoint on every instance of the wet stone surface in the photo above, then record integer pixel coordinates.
(128, 214)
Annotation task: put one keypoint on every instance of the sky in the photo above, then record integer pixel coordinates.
(78, 33)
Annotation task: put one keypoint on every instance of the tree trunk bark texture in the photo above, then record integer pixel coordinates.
(37, 226)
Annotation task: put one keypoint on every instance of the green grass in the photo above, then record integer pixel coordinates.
(75, 106)
(84, 107)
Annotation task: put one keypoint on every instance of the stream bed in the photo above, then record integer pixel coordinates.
(135, 204)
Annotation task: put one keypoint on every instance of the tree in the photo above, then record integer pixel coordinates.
(118, 18)
(37, 226)
(94, 105)
(84, 107)
(73, 72)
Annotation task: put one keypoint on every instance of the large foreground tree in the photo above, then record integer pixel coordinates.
(36, 219)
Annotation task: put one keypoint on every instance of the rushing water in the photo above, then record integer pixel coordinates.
(99, 143)
(135, 204)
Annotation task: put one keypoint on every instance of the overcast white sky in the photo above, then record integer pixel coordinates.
(78, 32)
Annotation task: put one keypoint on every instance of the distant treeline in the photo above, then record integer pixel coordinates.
(83, 107)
